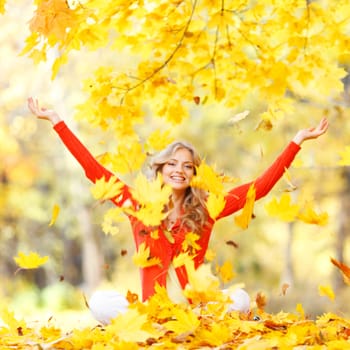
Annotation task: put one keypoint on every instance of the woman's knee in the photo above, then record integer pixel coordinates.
(106, 305)
(240, 300)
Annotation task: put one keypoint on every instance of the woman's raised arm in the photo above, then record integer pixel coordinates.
(93, 169)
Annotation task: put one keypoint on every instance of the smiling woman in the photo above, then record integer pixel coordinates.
(177, 163)
(185, 213)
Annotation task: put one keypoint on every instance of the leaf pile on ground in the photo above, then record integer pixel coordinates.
(161, 324)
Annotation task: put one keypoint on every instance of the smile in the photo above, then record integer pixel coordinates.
(177, 178)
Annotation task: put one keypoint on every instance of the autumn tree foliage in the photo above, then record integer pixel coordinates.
(195, 52)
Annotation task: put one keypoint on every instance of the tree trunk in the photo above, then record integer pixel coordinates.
(344, 225)
(288, 270)
(91, 252)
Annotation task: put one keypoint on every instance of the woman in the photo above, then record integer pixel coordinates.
(186, 210)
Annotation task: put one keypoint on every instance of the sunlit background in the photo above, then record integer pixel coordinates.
(37, 172)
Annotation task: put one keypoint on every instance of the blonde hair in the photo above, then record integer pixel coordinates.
(195, 213)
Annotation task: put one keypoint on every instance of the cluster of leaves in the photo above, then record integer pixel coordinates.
(196, 52)
(205, 324)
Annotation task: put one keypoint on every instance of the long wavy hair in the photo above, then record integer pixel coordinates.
(195, 213)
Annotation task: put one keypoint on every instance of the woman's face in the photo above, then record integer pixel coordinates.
(178, 171)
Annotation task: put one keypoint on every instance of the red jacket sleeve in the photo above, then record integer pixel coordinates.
(236, 198)
(93, 169)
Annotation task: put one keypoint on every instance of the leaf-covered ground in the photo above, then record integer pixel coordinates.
(160, 324)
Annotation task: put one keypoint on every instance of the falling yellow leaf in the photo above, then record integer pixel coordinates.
(215, 204)
(190, 242)
(207, 179)
(107, 189)
(245, 217)
(283, 209)
(30, 261)
(142, 257)
(326, 291)
(226, 272)
(152, 197)
(55, 212)
(203, 286)
(182, 259)
(309, 215)
(151, 214)
(158, 140)
(112, 217)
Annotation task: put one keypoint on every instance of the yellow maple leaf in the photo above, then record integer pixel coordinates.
(55, 212)
(182, 259)
(226, 272)
(146, 191)
(203, 286)
(283, 209)
(2, 6)
(130, 326)
(326, 291)
(10, 320)
(215, 203)
(190, 242)
(31, 261)
(152, 197)
(207, 179)
(112, 216)
(185, 321)
(245, 217)
(158, 140)
(309, 215)
(142, 257)
(106, 189)
(151, 214)
(128, 157)
(216, 335)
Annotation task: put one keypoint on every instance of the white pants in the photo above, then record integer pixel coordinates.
(106, 305)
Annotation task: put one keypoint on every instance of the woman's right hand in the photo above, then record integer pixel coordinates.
(43, 113)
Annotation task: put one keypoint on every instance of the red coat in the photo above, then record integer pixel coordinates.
(161, 247)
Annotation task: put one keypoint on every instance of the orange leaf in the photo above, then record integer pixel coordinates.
(261, 301)
(343, 268)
